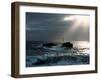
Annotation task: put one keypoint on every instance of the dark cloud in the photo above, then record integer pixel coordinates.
(52, 27)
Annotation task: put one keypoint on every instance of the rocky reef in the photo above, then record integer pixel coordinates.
(49, 44)
(67, 45)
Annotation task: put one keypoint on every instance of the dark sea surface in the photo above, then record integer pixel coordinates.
(38, 55)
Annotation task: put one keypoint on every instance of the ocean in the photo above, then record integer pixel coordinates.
(39, 55)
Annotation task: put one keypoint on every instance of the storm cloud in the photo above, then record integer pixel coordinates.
(54, 27)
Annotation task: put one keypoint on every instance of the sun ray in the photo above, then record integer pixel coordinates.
(78, 21)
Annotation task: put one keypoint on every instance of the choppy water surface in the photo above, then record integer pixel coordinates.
(37, 55)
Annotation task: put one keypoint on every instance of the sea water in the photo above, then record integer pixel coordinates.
(38, 55)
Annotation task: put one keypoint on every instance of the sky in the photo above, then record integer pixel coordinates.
(54, 27)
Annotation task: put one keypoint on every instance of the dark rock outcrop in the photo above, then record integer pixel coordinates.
(49, 44)
(67, 45)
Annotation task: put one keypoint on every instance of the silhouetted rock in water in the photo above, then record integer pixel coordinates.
(49, 44)
(67, 45)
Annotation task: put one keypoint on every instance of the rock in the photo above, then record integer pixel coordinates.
(49, 44)
(67, 45)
